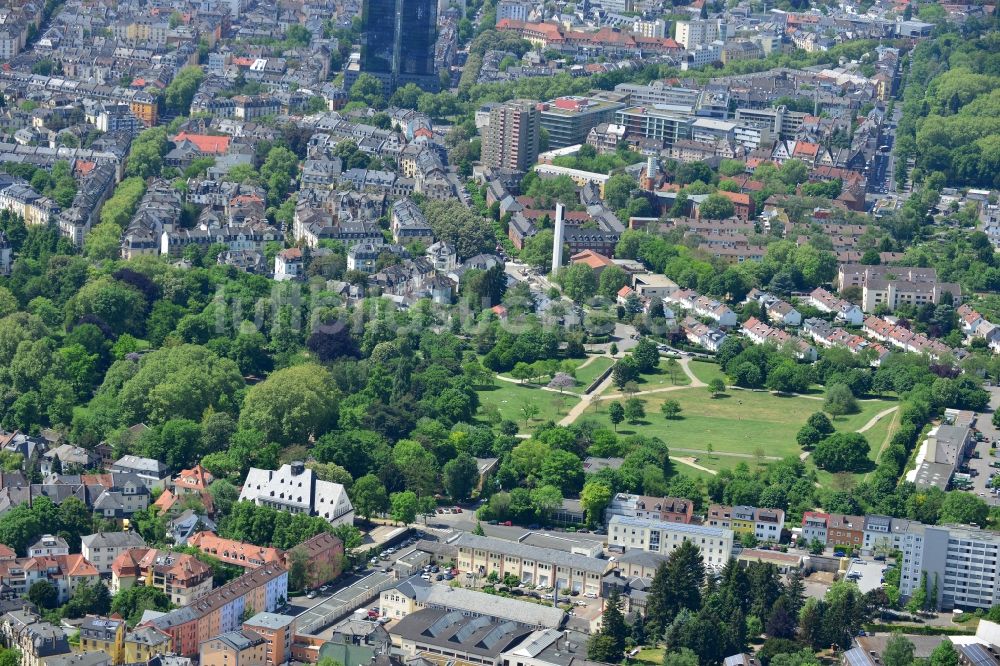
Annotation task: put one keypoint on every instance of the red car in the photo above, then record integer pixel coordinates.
(507, 523)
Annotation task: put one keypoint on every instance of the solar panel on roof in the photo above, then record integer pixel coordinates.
(978, 655)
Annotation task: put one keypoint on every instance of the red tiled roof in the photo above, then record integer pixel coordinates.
(215, 145)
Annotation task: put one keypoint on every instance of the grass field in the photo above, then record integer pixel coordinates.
(585, 376)
(660, 378)
(650, 656)
(508, 399)
(706, 371)
(739, 422)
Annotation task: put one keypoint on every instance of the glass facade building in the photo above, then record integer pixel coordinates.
(398, 42)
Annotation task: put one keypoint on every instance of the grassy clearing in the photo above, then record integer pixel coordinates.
(739, 422)
(586, 376)
(508, 399)
(650, 656)
(706, 371)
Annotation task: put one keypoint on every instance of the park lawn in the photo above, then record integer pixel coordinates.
(585, 376)
(739, 422)
(706, 371)
(660, 378)
(508, 399)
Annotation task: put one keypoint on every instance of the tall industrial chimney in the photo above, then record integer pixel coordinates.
(557, 241)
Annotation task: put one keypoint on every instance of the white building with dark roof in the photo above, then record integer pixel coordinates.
(296, 489)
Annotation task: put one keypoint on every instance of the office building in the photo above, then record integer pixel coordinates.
(296, 489)
(716, 543)
(764, 524)
(414, 595)
(774, 123)
(533, 565)
(513, 10)
(450, 636)
(510, 141)
(397, 45)
(663, 123)
(947, 446)
(568, 120)
(691, 34)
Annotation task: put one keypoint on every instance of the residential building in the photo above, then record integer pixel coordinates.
(221, 610)
(635, 563)
(323, 555)
(96, 658)
(183, 578)
(230, 551)
(569, 120)
(104, 634)
(665, 509)
(296, 489)
(844, 530)
(702, 335)
(814, 527)
(64, 572)
(891, 286)
(48, 545)
(408, 224)
(699, 32)
(103, 548)
(233, 648)
(277, 631)
(510, 141)
(961, 562)
(884, 534)
(763, 524)
(144, 643)
(152, 473)
(847, 312)
(397, 45)
(466, 639)
(414, 595)
(37, 640)
(716, 543)
(482, 555)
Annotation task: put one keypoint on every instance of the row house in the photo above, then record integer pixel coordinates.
(778, 311)
(764, 524)
(844, 311)
(905, 339)
(702, 335)
(975, 325)
(533, 565)
(826, 335)
(703, 306)
(833, 529)
(222, 609)
(234, 237)
(19, 198)
(761, 333)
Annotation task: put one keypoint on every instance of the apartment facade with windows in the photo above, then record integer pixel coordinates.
(764, 524)
(716, 543)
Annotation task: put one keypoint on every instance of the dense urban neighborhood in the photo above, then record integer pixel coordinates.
(499, 333)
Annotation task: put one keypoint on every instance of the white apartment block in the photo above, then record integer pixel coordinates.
(656, 29)
(716, 543)
(964, 561)
(102, 548)
(533, 565)
(295, 489)
(698, 32)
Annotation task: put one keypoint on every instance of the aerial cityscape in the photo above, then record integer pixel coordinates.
(499, 333)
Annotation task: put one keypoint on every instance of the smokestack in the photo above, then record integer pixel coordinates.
(557, 241)
(649, 181)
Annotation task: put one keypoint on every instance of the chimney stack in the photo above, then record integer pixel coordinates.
(557, 241)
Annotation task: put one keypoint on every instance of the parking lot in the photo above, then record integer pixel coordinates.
(980, 466)
(866, 573)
